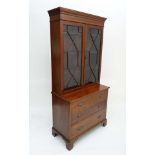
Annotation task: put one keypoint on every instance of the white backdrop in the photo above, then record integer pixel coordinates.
(109, 140)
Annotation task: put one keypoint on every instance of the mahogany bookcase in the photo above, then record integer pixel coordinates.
(79, 101)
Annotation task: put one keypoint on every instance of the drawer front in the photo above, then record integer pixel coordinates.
(87, 123)
(86, 101)
(78, 114)
(87, 106)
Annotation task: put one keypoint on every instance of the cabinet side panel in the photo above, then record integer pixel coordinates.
(56, 56)
(60, 115)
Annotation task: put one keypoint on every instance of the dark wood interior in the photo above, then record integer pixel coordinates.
(79, 101)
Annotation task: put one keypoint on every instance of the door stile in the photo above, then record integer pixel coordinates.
(100, 61)
(62, 54)
(84, 41)
(84, 52)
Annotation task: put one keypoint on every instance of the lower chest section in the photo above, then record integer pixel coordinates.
(87, 112)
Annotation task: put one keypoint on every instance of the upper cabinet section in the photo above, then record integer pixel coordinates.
(76, 49)
(75, 16)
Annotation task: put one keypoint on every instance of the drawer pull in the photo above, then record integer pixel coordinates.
(80, 128)
(100, 96)
(99, 116)
(80, 104)
(78, 115)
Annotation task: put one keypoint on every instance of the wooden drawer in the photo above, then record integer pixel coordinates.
(78, 114)
(87, 123)
(88, 105)
(93, 98)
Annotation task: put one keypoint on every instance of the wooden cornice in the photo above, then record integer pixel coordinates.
(75, 16)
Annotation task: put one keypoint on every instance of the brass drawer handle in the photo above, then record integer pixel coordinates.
(80, 128)
(78, 115)
(80, 104)
(99, 106)
(100, 96)
(99, 116)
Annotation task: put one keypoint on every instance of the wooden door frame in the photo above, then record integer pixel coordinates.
(63, 22)
(101, 44)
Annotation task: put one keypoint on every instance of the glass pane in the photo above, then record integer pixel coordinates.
(72, 56)
(93, 55)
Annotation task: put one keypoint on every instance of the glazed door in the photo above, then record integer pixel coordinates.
(93, 55)
(72, 55)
